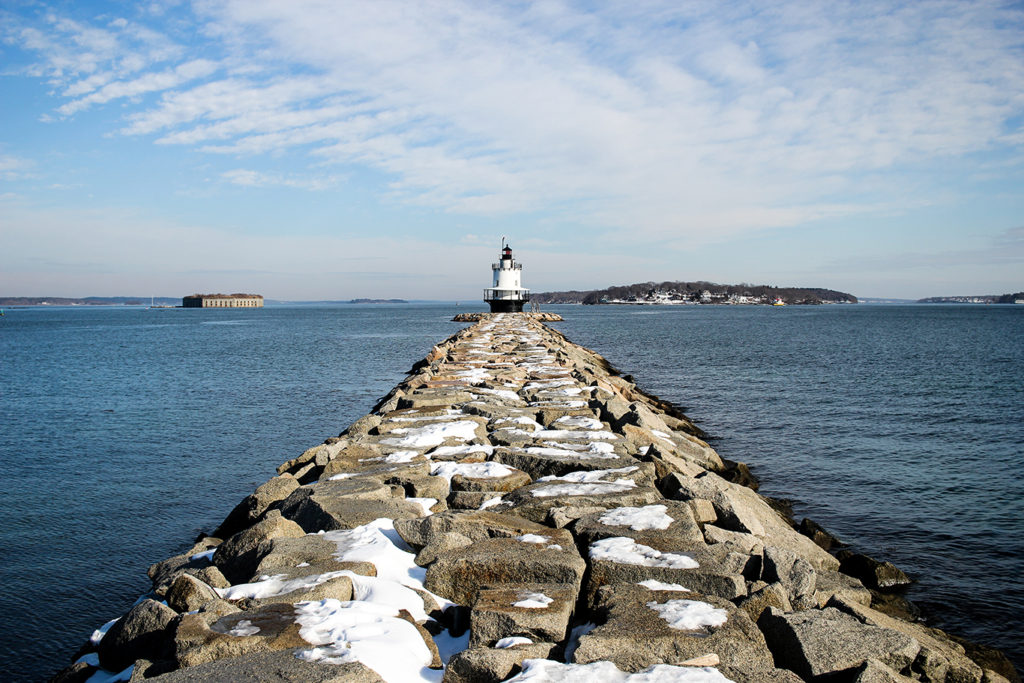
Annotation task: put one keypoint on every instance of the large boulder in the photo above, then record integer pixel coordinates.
(817, 644)
(139, 634)
(476, 525)
(269, 628)
(540, 612)
(237, 557)
(252, 506)
(346, 504)
(874, 574)
(490, 665)
(940, 658)
(740, 509)
(622, 560)
(188, 593)
(458, 574)
(676, 627)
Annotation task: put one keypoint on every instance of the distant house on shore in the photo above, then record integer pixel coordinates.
(222, 301)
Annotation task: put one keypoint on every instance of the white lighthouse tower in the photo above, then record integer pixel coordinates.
(506, 294)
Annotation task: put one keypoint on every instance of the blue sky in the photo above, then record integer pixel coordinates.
(315, 150)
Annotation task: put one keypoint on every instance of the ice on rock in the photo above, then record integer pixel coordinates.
(98, 634)
(580, 422)
(655, 585)
(425, 504)
(361, 632)
(473, 470)
(448, 451)
(548, 671)
(244, 628)
(589, 476)
(432, 435)
(399, 457)
(601, 488)
(586, 483)
(625, 550)
(531, 600)
(533, 538)
(638, 519)
(512, 641)
(561, 434)
(519, 420)
(689, 615)
(273, 585)
(504, 394)
(378, 543)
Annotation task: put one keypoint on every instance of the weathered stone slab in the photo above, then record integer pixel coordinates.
(665, 525)
(477, 525)
(458, 575)
(490, 665)
(819, 643)
(345, 504)
(676, 627)
(940, 658)
(740, 509)
(537, 611)
(272, 667)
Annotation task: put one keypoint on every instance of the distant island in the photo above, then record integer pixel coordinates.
(88, 301)
(1017, 298)
(697, 293)
(378, 301)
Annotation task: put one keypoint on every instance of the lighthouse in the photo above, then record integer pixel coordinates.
(506, 293)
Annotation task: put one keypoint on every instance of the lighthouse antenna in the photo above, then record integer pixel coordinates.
(503, 241)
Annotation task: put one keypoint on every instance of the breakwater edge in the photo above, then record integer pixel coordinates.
(577, 472)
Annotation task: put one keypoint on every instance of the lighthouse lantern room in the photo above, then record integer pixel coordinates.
(506, 293)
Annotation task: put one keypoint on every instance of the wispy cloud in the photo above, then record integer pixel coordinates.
(250, 178)
(673, 119)
(13, 168)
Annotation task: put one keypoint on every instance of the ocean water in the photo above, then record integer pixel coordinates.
(126, 432)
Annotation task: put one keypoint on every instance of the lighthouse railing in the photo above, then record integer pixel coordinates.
(495, 294)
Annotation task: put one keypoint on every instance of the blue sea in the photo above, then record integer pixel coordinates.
(125, 432)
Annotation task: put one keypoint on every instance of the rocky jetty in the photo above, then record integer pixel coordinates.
(543, 317)
(516, 510)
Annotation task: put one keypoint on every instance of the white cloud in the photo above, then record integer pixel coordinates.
(671, 119)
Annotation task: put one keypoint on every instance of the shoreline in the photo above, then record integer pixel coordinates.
(381, 465)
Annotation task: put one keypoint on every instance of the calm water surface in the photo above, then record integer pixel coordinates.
(127, 431)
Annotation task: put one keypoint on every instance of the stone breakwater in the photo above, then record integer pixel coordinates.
(516, 510)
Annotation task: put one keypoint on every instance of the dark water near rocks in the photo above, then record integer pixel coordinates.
(125, 432)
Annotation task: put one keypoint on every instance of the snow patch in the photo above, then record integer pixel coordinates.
(433, 435)
(473, 470)
(360, 632)
(580, 422)
(638, 519)
(627, 551)
(530, 600)
(655, 585)
(548, 671)
(688, 615)
(244, 628)
(512, 641)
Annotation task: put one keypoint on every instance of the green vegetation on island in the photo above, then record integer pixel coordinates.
(697, 293)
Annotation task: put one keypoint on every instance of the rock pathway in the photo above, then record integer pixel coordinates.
(515, 510)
